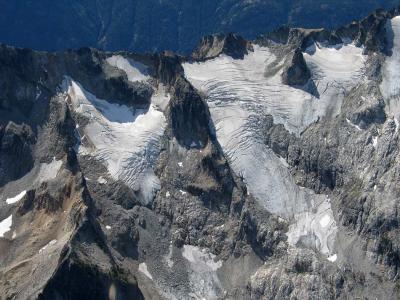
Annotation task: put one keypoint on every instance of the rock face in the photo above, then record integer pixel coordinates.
(262, 169)
(212, 46)
(296, 72)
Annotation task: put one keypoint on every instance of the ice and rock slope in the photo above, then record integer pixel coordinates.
(126, 140)
(240, 93)
(251, 170)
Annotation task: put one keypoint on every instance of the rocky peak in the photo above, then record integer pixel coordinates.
(213, 45)
(296, 72)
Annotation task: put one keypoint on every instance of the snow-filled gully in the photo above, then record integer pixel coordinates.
(239, 95)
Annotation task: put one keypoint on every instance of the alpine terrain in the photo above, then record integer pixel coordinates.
(250, 169)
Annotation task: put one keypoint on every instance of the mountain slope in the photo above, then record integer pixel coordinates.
(151, 25)
(263, 169)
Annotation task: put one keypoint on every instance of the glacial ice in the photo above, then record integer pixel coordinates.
(127, 141)
(239, 96)
(243, 83)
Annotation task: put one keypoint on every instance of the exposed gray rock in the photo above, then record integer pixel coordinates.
(296, 72)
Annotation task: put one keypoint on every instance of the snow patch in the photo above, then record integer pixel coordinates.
(127, 141)
(17, 198)
(354, 125)
(396, 122)
(167, 194)
(5, 226)
(48, 171)
(46, 247)
(201, 259)
(168, 257)
(161, 97)
(108, 227)
(145, 271)
(135, 71)
(325, 221)
(180, 164)
(332, 258)
(375, 141)
(314, 229)
(102, 180)
(202, 272)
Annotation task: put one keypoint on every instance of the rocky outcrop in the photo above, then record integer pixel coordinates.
(296, 72)
(212, 46)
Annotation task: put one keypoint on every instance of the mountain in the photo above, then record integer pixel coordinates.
(158, 25)
(250, 169)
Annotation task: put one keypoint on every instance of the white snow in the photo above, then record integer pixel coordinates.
(161, 97)
(202, 272)
(239, 95)
(145, 271)
(127, 141)
(202, 260)
(243, 84)
(134, 70)
(354, 125)
(180, 164)
(102, 180)
(16, 198)
(108, 227)
(390, 86)
(167, 194)
(375, 141)
(183, 192)
(48, 171)
(5, 226)
(325, 221)
(332, 258)
(168, 257)
(315, 227)
(49, 244)
(396, 122)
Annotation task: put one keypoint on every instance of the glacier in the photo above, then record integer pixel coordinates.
(240, 94)
(126, 140)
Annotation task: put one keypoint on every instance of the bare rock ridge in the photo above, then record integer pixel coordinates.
(262, 169)
(214, 45)
(296, 72)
